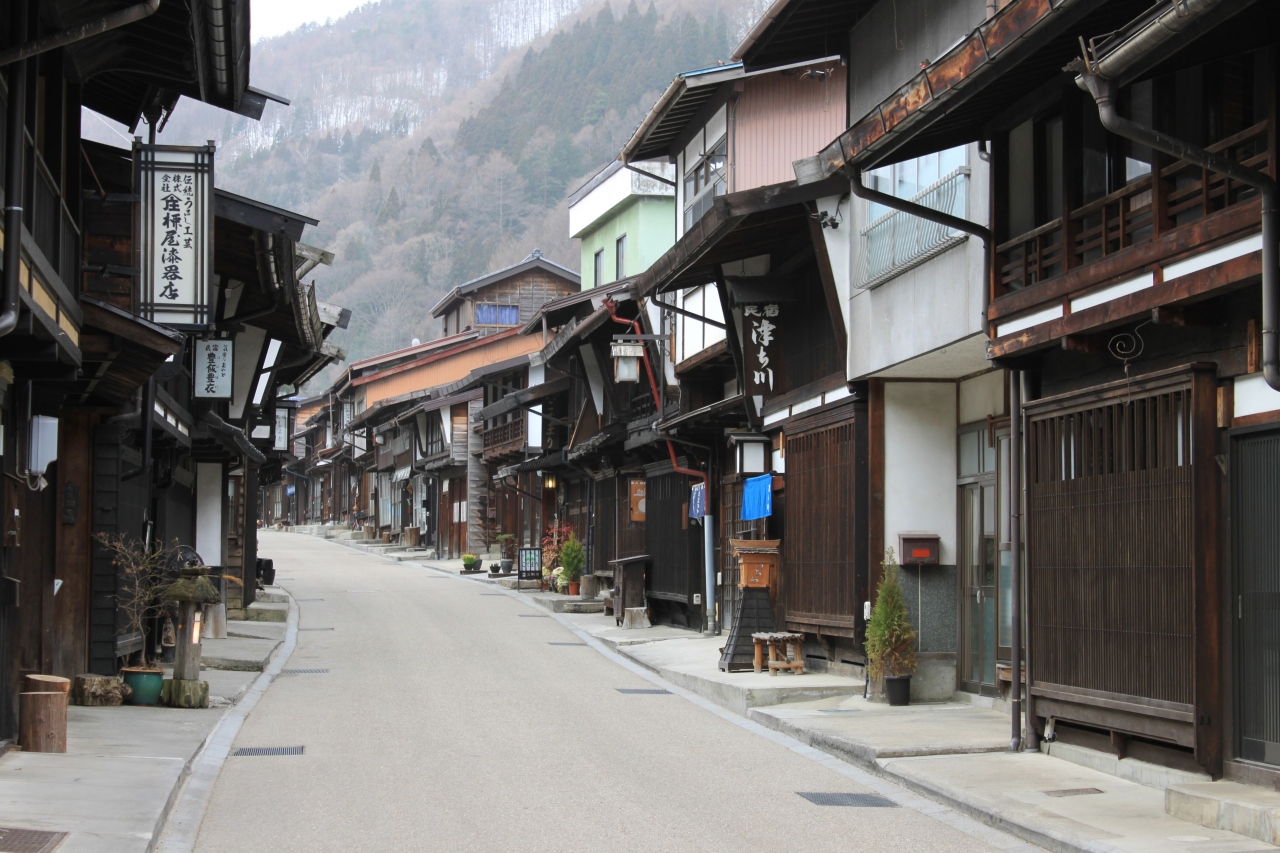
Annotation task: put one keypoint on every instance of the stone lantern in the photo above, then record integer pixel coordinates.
(191, 591)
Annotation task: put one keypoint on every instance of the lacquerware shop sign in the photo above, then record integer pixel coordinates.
(176, 213)
(281, 437)
(213, 369)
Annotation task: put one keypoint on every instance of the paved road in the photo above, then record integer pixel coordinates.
(448, 720)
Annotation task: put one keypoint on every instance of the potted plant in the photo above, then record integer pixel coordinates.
(891, 642)
(507, 548)
(572, 558)
(469, 562)
(141, 577)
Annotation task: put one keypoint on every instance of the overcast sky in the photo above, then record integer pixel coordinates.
(269, 18)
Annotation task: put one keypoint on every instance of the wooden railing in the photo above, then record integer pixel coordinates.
(1136, 213)
(505, 437)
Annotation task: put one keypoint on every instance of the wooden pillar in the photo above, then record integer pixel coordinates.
(73, 543)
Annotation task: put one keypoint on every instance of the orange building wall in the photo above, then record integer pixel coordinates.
(781, 119)
(451, 368)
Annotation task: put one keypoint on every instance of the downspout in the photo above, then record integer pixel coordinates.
(708, 548)
(1104, 93)
(79, 32)
(1015, 553)
(15, 151)
(144, 422)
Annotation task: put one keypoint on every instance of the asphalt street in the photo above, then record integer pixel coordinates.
(452, 716)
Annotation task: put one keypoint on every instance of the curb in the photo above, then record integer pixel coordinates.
(179, 823)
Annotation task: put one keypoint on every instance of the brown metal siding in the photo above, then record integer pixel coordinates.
(780, 119)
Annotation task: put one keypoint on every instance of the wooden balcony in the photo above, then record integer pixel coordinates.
(1135, 231)
(505, 439)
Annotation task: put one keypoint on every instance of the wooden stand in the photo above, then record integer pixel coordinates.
(98, 690)
(778, 643)
(36, 683)
(42, 721)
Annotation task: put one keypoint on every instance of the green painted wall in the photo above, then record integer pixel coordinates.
(650, 226)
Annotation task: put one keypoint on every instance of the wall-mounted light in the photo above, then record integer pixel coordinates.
(752, 452)
(626, 361)
(548, 480)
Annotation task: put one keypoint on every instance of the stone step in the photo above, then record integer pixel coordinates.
(267, 611)
(1250, 811)
(271, 598)
(570, 604)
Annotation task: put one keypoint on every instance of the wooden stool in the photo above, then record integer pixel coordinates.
(777, 642)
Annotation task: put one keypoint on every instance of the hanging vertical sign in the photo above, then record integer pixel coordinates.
(282, 430)
(636, 497)
(762, 348)
(175, 184)
(698, 500)
(213, 369)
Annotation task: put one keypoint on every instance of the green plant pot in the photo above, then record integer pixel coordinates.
(145, 684)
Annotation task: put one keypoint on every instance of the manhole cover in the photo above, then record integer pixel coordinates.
(315, 629)
(866, 801)
(250, 751)
(1072, 792)
(566, 644)
(303, 671)
(13, 840)
(641, 690)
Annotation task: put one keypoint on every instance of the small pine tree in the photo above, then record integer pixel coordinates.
(890, 638)
(573, 557)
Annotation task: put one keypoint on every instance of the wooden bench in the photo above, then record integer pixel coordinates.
(778, 641)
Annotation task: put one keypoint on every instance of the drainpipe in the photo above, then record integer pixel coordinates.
(79, 32)
(148, 406)
(1015, 552)
(708, 548)
(14, 179)
(1104, 93)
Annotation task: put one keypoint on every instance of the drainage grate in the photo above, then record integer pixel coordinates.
(364, 590)
(533, 616)
(566, 644)
(1072, 792)
(301, 600)
(503, 594)
(315, 629)
(249, 751)
(14, 840)
(641, 690)
(866, 801)
(837, 710)
(303, 671)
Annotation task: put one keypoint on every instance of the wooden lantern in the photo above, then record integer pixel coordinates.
(757, 561)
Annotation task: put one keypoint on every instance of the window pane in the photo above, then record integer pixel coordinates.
(970, 461)
(950, 160)
(599, 269)
(928, 169)
(988, 454)
(508, 315)
(906, 185)
(620, 258)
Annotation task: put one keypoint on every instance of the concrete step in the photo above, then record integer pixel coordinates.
(569, 604)
(267, 611)
(271, 598)
(1249, 811)
(511, 583)
(1142, 772)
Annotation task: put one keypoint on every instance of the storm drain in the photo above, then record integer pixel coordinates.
(642, 691)
(315, 629)
(566, 644)
(13, 840)
(1072, 792)
(251, 751)
(303, 600)
(303, 671)
(866, 801)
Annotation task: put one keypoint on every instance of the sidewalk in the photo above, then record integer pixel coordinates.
(113, 788)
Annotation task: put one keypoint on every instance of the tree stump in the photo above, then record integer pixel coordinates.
(98, 690)
(42, 722)
(36, 683)
(185, 693)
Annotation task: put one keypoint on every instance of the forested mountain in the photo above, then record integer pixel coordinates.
(436, 139)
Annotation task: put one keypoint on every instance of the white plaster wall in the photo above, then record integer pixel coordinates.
(920, 462)
(1253, 396)
(982, 395)
(926, 308)
(210, 542)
